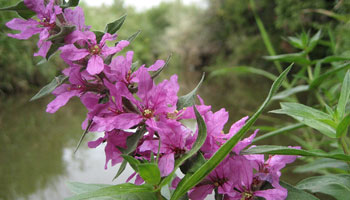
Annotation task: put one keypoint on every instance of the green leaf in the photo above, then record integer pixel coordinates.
(193, 163)
(297, 194)
(99, 35)
(150, 173)
(123, 192)
(225, 149)
(83, 135)
(336, 185)
(330, 59)
(201, 137)
(280, 150)
(319, 164)
(132, 141)
(134, 163)
(299, 58)
(21, 9)
(286, 93)
(344, 96)
(70, 3)
(188, 99)
(316, 119)
(279, 131)
(78, 188)
(296, 42)
(59, 37)
(113, 27)
(47, 89)
(155, 74)
(313, 41)
(342, 128)
(133, 36)
(121, 169)
(53, 49)
(319, 80)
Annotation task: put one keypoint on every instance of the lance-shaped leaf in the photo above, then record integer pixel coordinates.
(279, 131)
(83, 135)
(320, 164)
(336, 185)
(99, 35)
(150, 173)
(297, 194)
(299, 58)
(313, 41)
(201, 137)
(344, 96)
(343, 126)
(286, 93)
(132, 141)
(188, 99)
(319, 80)
(113, 27)
(133, 36)
(122, 191)
(70, 3)
(133, 162)
(78, 188)
(311, 117)
(121, 169)
(330, 59)
(21, 9)
(225, 149)
(281, 150)
(47, 89)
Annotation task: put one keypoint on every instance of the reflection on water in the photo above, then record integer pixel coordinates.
(37, 151)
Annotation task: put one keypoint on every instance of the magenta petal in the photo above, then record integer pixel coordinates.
(157, 65)
(28, 28)
(166, 164)
(199, 193)
(244, 143)
(43, 49)
(96, 143)
(127, 120)
(138, 180)
(60, 101)
(272, 194)
(70, 52)
(130, 177)
(95, 65)
(107, 36)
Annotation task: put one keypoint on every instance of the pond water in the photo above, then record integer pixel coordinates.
(36, 148)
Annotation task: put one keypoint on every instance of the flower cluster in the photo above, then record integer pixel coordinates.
(124, 101)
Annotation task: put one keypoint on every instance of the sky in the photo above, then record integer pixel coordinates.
(139, 4)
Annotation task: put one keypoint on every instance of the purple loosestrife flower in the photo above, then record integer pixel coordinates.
(173, 144)
(114, 139)
(80, 83)
(120, 69)
(246, 186)
(220, 178)
(90, 49)
(46, 25)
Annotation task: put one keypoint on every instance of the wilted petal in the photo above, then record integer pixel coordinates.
(95, 65)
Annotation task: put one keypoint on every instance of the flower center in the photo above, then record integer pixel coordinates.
(46, 23)
(247, 195)
(95, 49)
(147, 113)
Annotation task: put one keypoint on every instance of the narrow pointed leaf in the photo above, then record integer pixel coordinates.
(291, 58)
(113, 27)
(226, 148)
(319, 80)
(122, 191)
(133, 162)
(320, 164)
(132, 141)
(344, 96)
(297, 194)
(78, 188)
(21, 9)
(279, 131)
(188, 99)
(313, 41)
(286, 93)
(281, 150)
(336, 185)
(343, 126)
(57, 81)
(133, 36)
(121, 169)
(83, 135)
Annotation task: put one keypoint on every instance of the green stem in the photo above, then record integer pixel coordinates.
(345, 147)
(309, 72)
